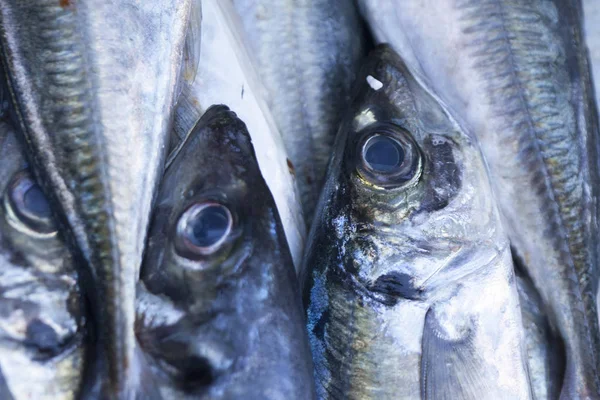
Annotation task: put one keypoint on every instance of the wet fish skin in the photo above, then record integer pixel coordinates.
(42, 316)
(228, 324)
(545, 351)
(93, 83)
(516, 73)
(393, 278)
(591, 13)
(308, 54)
(227, 75)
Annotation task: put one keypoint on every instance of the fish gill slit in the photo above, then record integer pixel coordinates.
(496, 10)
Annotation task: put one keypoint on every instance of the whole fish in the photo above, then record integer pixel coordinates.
(93, 86)
(219, 307)
(227, 75)
(591, 12)
(515, 72)
(545, 352)
(408, 274)
(308, 53)
(42, 313)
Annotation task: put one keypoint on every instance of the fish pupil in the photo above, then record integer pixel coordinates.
(35, 201)
(383, 154)
(209, 226)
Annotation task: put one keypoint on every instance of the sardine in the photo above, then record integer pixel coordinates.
(408, 273)
(42, 313)
(227, 75)
(516, 73)
(219, 306)
(308, 53)
(545, 352)
(93, 85)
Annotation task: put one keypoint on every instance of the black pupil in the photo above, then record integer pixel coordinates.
(383, 154)
(35, 201)
(208, 226)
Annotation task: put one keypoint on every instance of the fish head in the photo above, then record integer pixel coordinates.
(42, 314)
(218, 258)
(407, 195)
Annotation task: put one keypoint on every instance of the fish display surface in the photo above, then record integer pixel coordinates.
(406, 239)
(219, 302)
(516, 74)
(42, 316)
(161, 163)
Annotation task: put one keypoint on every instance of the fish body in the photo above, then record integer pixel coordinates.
(408, 272)
(42, 313)
(93, 86)
(308, 53)
(516, 74)
(219, 308)
(227, 75)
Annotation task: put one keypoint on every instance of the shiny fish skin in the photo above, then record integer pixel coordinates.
(42, 341)
(308, 53)
(401, 283)
(591, 12)
(93, 86)
(227, 75)
(229, 324)
(545, 352)
(516, 73)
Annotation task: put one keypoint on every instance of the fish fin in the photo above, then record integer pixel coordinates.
(451, 368)
(191, 49)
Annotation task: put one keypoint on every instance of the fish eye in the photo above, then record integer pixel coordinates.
(27, 202)
(204, 227)
(388, 157)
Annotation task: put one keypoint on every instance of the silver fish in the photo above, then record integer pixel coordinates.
(308, 53)
(227, 75)
(408, 272)
(42, 316)
(516, 73)
(545, 352)
(219, 307)
(94, 85)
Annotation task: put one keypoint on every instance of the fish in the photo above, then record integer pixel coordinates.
(515, 73)
(227, 74)
(93, 87)
(219, 306)
(308, 53)
(408, 272)
(545, 351)
(43, 337)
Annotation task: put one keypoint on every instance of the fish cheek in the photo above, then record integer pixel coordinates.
(442, 173)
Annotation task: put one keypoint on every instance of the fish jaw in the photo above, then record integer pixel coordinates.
(91, 84)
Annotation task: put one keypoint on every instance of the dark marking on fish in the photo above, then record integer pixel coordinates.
(447, 179)
(242, 91)
(291, 166)
(390, 288)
